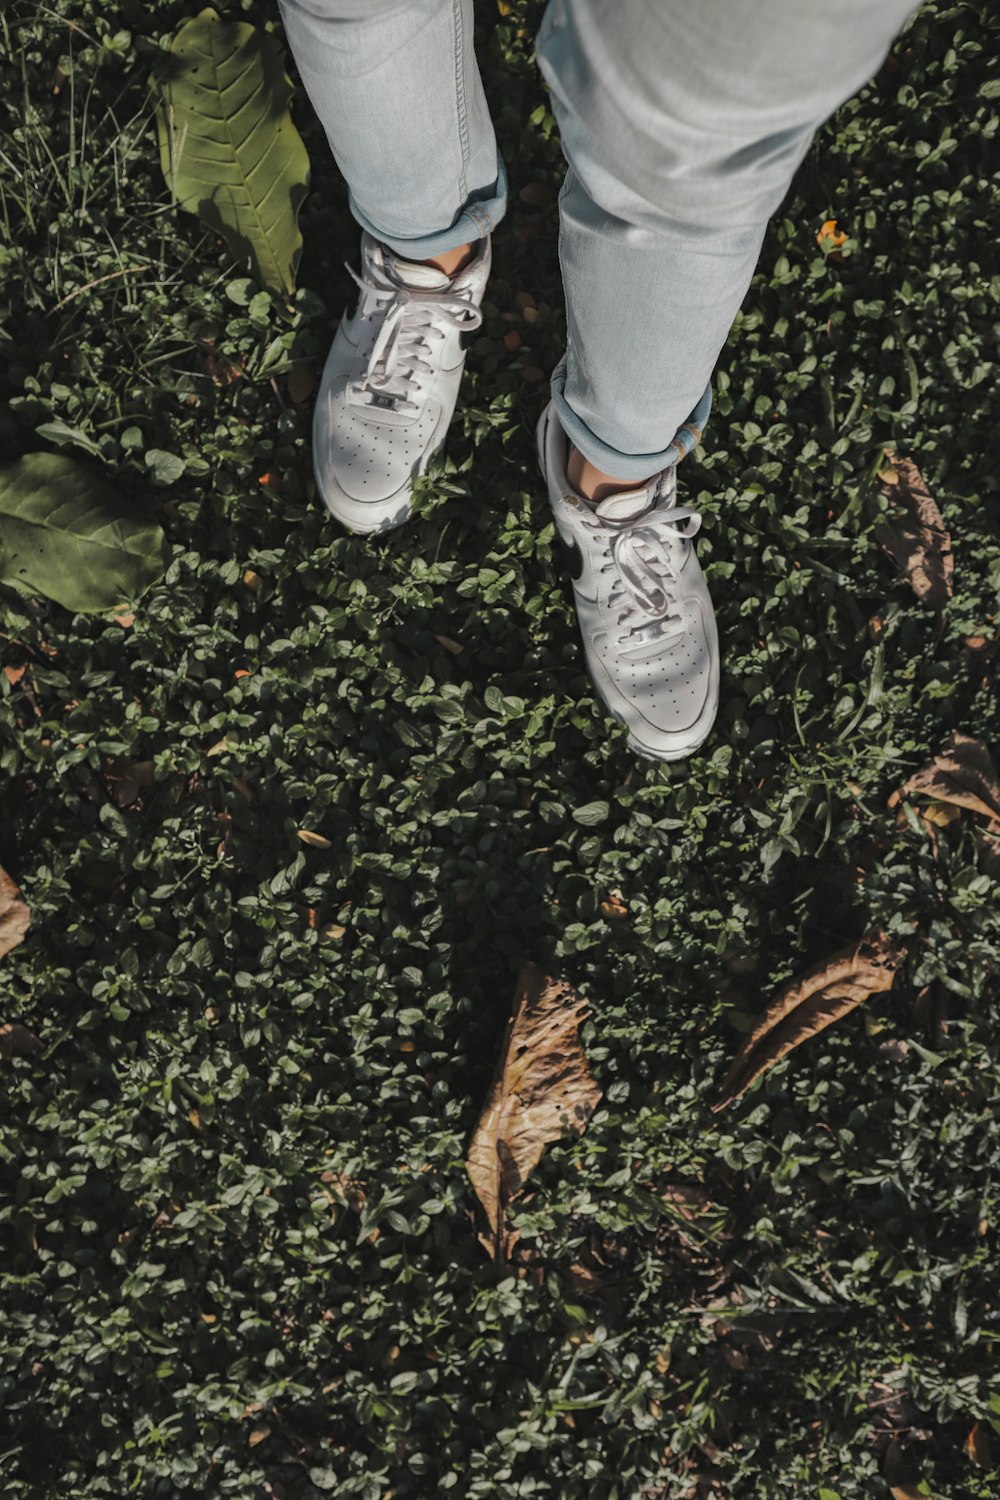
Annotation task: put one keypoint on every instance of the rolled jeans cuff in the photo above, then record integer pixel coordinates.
(611, 460)
(478, 217)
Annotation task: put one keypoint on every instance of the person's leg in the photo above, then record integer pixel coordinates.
(397, 89)
(682, 126)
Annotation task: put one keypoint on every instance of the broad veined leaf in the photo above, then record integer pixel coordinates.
(66, 534)
(542, 1089)
(228, 148)
(807, 1005)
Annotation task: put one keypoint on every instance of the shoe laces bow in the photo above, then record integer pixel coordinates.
(643, 555)
(413, 316)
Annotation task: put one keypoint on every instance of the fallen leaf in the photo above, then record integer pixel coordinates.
(271, 482)
(14, 674)
(542, 1090)
(17, 1041)
(941, 814)
(807, 1005)
(912, 531)
(252, 580)
(830, 237)
(314, 840)
(908, 1492)
(331, 933)
(258, 1434)
(222, 370)
(449, 645)
(962, 774)
(614, 908)
(301, 382)
(14, 914)
(125, 620)
(583, 1278)
(977, 1446)
(241, 672)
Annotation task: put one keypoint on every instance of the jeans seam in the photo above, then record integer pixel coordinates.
(463, 124)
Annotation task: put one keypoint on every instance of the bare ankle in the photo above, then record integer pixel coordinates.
(592, 483)
(453, 260)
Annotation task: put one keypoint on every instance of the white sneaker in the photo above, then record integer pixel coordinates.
(391, 382)
(646, 617)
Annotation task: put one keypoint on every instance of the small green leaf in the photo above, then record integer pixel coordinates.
(165, 467)
(591, 813)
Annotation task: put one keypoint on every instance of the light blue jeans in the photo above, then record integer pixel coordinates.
(681, 121)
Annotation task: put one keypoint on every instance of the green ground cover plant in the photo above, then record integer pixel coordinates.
(290, 821)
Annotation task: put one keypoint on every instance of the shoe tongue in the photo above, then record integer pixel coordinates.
(411, 273)
(625, 505)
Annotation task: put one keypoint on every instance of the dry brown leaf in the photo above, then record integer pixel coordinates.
(830, 235)
(17, 1041)
(583, 1278)
(913, 532)
(14, 914)
(314, 840)
(223, 370)
(614, 908)
(807, 1005)
(908, 1492)
(977, 1446)
(258, 1434)
(963, 774)
(542, 1090)
(301, 382)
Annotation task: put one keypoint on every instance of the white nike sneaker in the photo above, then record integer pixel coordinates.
(391, 382)
(649, 635)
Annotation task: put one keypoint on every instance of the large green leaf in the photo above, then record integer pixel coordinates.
(68, 535)
(228, 148)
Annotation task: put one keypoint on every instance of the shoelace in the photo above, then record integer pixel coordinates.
(412, 316)
(637, 553)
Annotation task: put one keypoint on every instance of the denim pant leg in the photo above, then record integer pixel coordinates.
(397, 89)
(681, 125)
